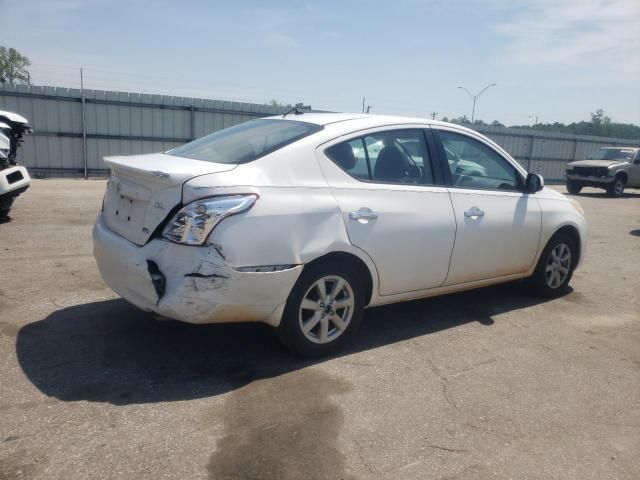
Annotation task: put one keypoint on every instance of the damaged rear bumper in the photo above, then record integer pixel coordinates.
(190, 284)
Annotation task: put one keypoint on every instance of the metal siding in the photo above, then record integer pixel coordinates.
(147, 122)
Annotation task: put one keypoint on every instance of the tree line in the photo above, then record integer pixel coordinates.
(600, 125)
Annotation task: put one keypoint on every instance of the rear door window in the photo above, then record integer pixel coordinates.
(394, 156)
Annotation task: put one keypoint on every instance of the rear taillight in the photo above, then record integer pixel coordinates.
(193, 223)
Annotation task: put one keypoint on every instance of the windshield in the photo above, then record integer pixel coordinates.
(612, 154)
(246, 142)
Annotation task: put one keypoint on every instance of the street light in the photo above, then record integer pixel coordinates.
(475, 97)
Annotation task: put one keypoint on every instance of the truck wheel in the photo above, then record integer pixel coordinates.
(323, 311)
(573, 187)
(616, 188)
(555, 267)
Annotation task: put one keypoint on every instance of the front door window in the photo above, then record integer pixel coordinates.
(474, 165)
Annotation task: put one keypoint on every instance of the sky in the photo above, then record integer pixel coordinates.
(557, 60)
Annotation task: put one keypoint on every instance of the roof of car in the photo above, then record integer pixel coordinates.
(360, 119)
(319, 118)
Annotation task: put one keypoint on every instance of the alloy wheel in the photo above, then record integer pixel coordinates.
(326, 309)
(558, 265)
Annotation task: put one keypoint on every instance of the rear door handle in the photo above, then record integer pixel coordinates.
(363, 215)
(474, 212)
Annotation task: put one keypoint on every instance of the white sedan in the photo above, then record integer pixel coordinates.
(302, 221)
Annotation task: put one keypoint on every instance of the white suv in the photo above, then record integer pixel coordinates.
(302, 221)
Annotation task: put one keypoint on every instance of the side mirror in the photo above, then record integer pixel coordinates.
(534, 183)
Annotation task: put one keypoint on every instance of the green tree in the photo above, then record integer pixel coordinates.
(598, 117)
(600, 126)
(463, 120)
(13, 66)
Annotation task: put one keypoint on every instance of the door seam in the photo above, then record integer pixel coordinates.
(455, 236)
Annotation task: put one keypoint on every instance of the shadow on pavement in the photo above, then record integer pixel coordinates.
(109, 351)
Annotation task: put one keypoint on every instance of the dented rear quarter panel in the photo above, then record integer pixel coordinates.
(295, 220)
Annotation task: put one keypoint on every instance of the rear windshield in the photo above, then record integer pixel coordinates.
(246, 142)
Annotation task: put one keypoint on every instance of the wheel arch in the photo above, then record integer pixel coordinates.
(572, 232)
(363, 270)
(624, 175)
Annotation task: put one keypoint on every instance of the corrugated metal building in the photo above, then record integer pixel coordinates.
(122, 123)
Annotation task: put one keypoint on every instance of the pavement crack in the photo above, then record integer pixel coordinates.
(444, 382)
(446, 449)
(359, 450)
(481, 429)
(474, 366)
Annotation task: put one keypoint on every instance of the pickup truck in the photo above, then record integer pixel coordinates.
(611, 168)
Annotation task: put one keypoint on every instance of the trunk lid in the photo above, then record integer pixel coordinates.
(143, 189)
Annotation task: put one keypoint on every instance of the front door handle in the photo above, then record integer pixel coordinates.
(474, 212)
(363, 215)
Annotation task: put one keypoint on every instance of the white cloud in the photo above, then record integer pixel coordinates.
(280, 40)
(598, 40)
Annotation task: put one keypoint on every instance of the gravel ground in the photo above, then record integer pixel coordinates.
(485, 384)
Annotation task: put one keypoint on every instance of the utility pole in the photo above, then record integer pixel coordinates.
(84, 125)
(363, 104)
(536, 119)
(433, 115)
(475, 98)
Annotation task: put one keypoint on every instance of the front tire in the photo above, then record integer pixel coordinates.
(616, 188)
(323, 311)
(574, 187)
(555, 267)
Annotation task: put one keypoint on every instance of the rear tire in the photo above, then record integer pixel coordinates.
(574, 187)
(315, 325)
(616, 188)
(555, 267)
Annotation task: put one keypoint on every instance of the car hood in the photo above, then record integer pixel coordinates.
(595, 163)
